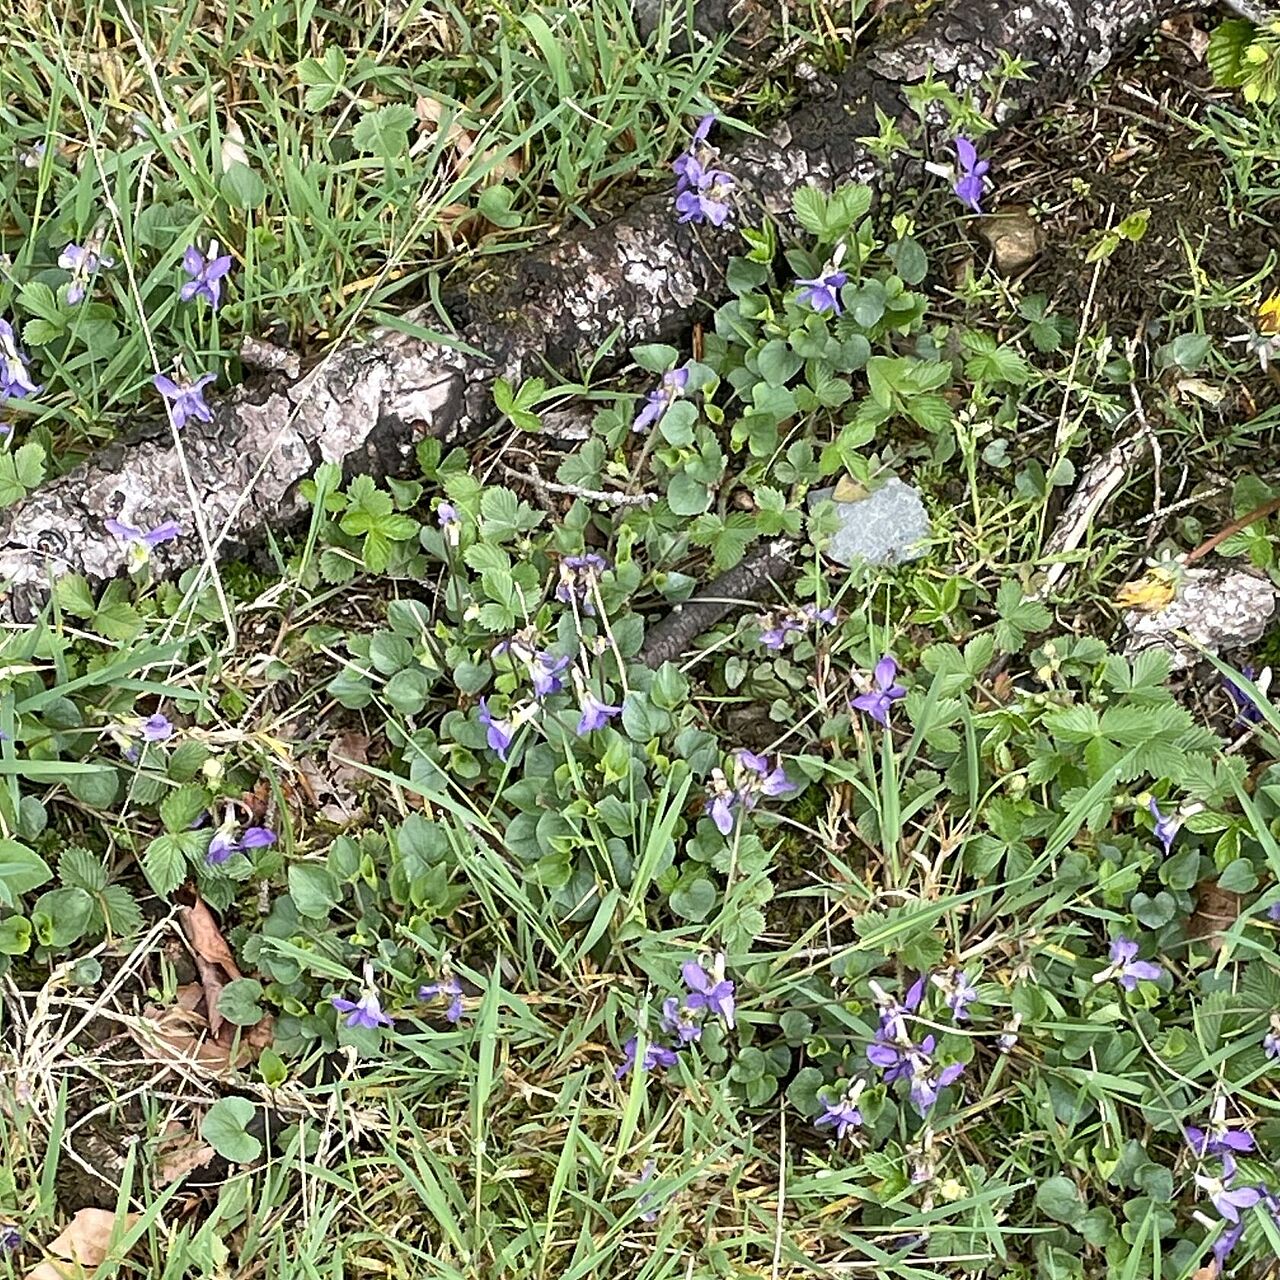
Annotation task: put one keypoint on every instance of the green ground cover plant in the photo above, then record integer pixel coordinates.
(375, 909)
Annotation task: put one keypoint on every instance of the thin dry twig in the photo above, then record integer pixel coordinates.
(545, 488)
(1258, 513)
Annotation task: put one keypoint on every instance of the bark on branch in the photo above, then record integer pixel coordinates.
(639, 278)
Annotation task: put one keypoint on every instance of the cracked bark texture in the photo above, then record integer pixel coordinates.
(640, 277)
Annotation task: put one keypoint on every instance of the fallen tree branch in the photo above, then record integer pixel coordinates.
(744, 584)
(638, 278)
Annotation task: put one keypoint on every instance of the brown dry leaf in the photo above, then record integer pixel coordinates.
(180, 1038)
(1205, 391)
(327, 785)
(211, 982)
(430, 113)
(1208, 1272)
(462, 140)
(1002, 687)
(1195, 38)
(1216, 911)
(849, 490)
(179, 1153)
(348, 756)
(82, 1246)
(189, 996)
(206, 938)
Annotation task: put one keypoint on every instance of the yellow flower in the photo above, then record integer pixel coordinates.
(1150, 593)
(1269, 314)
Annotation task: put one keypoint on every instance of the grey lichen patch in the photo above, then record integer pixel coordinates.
(1214, 610)
(428, 388)
(889, 526)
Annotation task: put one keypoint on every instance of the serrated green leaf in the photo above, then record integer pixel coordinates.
(117, 620)
(1225, 53)
(123, 915)
(40, 299)
(74, 597)
(810, 207)
(180, 808)
(165, 864)
(80, 869)
(28, 462)
(39, 333)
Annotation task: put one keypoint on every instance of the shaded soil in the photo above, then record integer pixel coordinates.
(1130, 144)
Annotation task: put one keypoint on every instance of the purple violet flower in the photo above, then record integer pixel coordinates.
(499, 733)
(1227, 1241)
(842, 1114)
(713, 993)
(813, 615)
(655, 1056)
(365, 1012)
(721, 804)
(823, 292)
(83, 261)
(1228, 1199)
(645, 1200)
(544, 673)
(10, 1238)
(152, 537)
(968, 184)
(702, 191)
(678, 1021)
(206, 271)
(754, 779)
(680, 165)
(661, 398)
(450, 523)
(595, 714)
(225, 843)
(1218, 1140)
(958, 991)
(449, 987)
(1166, 826)
(926, 1081)
(139, 542)
(157, 728)
(1271, 1041)
(1247, 710)
(706, 197)
(1126, 968)
(15, 381)
(891, 1048)
(893, 1059)
(768, 782)
(577, 573)
(878, 702)
(775, 632)
(186, 398)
